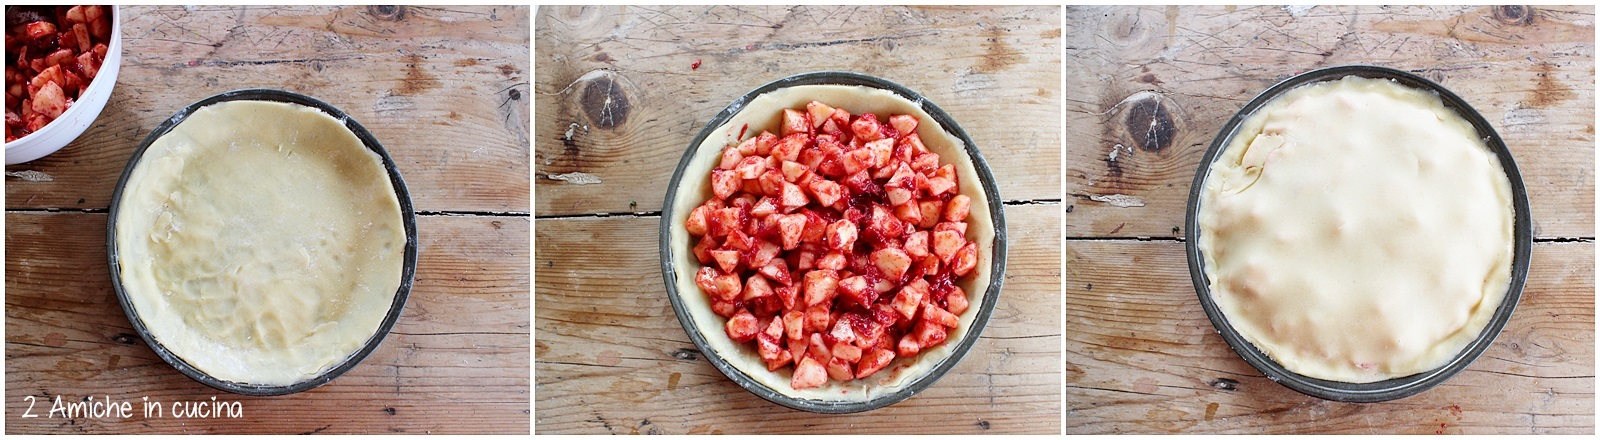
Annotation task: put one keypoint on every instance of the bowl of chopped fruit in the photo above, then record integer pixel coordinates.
(61, 64)
(833, 242)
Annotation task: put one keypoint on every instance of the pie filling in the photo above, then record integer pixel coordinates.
(260, 241)
(833, 255)
(1357, 230)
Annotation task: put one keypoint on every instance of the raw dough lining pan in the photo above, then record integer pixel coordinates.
(407, 274)
(997, 268)
(1393, 388)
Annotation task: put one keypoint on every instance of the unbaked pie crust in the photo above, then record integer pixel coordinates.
(1357, 230)
(260, 241)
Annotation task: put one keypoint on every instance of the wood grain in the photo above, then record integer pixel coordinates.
(457, 361)
(444, 90)
(1150, 87)
(610, 356)
(622, 90)
(1142, 357)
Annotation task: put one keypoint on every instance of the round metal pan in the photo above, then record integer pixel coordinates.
(997, 268)
(408, 273)
(1393, 388)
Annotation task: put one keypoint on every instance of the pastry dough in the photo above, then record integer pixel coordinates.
(1357, 230)
(764, 113)
(260, 241)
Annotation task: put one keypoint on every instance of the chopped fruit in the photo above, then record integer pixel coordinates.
(831, 247)
(966, 260)
(956, 300)
(842, 235)
(958, 208)
(742, 326)
(795, 121)
(819, 113)
(946, 243)
(808, 374)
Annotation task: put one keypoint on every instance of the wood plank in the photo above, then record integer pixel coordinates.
(1143, 358)
(1529, 71)
(610, 356)
(444, 90)
(995, 70)
(456, 362)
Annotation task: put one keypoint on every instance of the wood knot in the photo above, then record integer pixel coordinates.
(388, 12)
(1514, 15)
(125, 338)
(1224, 384)
(605, 103)
(1150, 124)
(686, 354)
(389, 410)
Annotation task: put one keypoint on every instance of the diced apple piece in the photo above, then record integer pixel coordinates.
(958, 227)
(884, 224)
(794, 324)
(777, 270)
(956, 300)
(820, 286)
(747, 148)
(738, 240)
(958, 208)
(906, 302)
(882, 152)
(792, 171)
(790, 228)
(726, 260)
(840, 370)
(916, 245)
(929, 334)
(866, 128)
(841, 235)
(743, 326)
(706, 279)
(905, 124)
(833, 261)
(819, 113)
(932, 313)
(765, 253)
(702, 251)
(767, 206)
(911, 213)
(946, 243)
(893, 262)
(808, 374)
(857, 160)
(842, 330)
(908, 347)
(764, 143)
(931, 265)
(931, 205)
(925, 162)
(779, 356)
(966, 260)
(816, 229)
(848, 352)
(788, 148)
(817, 318)
(788, 296)
(819, 350)
(940, 185)
(771, 184)
(724, 183)
(827, 192)
(696, 225)
(724, 309)
(858, 290)
(728, 286)
(792, 196)
(913, 142)
(901, 185)
(756, 287)
(794, 121)
(730, 158)
(873, 361)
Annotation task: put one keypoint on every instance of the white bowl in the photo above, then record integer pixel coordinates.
(81, 114)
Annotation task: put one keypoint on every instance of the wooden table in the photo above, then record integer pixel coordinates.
(445, 90)
(1148, 90)
(610, 357)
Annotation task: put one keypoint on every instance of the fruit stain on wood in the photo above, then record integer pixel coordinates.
(416, 80)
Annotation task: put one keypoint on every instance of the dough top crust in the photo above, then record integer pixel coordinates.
(764, 112)
(1357, 230)
(261, 242)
